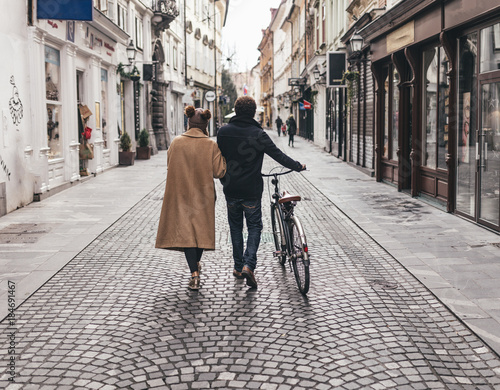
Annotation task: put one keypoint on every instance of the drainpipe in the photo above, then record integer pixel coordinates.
(185, 47)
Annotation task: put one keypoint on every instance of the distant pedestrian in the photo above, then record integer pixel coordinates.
(291, 128)
(279, 123)
(187, 220)
(243, 143)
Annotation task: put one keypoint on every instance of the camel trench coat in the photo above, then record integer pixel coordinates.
(187, 218)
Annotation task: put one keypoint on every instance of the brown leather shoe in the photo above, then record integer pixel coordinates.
(194, 283)
(237, 274)
(249, 276)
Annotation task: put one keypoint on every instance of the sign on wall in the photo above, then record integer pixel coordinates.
(335, 68)
(65, 9)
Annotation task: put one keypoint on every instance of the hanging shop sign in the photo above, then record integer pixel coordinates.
(210, 96)
(65, 10)
(335, 68)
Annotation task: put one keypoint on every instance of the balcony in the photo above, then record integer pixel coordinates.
(165, 11)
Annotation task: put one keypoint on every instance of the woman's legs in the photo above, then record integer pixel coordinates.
(193, 256)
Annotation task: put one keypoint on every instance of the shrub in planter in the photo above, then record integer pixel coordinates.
(143, 150)
(125, 156)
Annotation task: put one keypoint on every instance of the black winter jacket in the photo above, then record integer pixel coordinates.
(243, 143)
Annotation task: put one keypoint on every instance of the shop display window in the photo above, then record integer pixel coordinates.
(435, 109)
(395, 114)
(391, 112)
(53, 105)
(386, 116)
(104, 106)
(467, 107)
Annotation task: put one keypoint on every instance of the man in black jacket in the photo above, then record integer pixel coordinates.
(243, 143)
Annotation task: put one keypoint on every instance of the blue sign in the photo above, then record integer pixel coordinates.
(65, 9)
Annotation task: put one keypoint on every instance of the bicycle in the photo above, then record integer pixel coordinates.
(289, 237)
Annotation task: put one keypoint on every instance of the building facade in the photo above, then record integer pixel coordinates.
(73, 87)
(204, 20)
(421, 111)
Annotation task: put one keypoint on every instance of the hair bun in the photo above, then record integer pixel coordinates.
(206, 115)
(190, 111)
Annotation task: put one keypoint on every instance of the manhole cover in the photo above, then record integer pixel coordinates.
(23, 233)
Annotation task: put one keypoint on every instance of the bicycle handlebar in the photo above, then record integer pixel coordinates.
(277, 173)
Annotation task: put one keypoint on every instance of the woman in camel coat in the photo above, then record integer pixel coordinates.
(187, 220)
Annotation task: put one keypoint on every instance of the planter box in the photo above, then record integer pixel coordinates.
(126, 158)
(143, 152)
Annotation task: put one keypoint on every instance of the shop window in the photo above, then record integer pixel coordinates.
(53, 97)
(490, 49)
(391, 112)
(395, 114)
(386, 115)
(467, 107)
(122, 108)
(435, 109)
(104, 106)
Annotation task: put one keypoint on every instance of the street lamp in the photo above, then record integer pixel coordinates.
(191, 82)
(356, 43)
(316, 73)
(131, 52)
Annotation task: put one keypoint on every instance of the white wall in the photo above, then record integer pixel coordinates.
(16, 130)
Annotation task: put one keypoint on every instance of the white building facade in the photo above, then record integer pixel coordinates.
(67, 95)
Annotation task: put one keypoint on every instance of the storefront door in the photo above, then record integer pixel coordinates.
(478, 157)
(489, 155)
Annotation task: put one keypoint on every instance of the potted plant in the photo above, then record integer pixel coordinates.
(351, 80)
(126, 156)
(143, 150)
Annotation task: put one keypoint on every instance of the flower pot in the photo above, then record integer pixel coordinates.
(126, 158)
(143, 152)
(135, 77)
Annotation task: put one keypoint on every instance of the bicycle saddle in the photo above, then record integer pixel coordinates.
(287, 197)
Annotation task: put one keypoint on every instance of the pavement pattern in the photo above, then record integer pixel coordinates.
(119, 316)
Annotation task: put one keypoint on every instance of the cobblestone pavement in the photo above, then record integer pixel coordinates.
(119, 315)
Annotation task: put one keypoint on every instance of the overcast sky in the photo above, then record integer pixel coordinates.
(243, 31)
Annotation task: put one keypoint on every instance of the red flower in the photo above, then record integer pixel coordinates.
(87, 133)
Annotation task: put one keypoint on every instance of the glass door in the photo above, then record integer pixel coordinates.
(488, 150)
(478, 153)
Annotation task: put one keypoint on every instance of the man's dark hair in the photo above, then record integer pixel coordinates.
(245, 106)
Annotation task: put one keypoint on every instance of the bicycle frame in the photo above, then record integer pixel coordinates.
(285, 213)
(293, 245)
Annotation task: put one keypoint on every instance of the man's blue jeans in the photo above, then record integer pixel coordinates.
(252, 211)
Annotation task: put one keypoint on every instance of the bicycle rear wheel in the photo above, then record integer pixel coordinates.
(299, 255)
(278, 234)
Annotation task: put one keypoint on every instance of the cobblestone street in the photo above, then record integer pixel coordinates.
(119, 315)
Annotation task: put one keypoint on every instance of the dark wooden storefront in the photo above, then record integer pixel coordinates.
(436, 66)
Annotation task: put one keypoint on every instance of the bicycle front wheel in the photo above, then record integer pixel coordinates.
(299, 255)
(278, 234)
